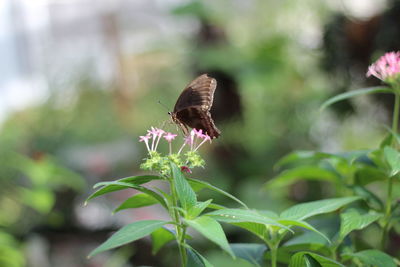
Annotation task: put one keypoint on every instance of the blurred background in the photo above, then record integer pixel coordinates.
(80, 80)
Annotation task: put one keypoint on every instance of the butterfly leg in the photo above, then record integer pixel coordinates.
(185, 129)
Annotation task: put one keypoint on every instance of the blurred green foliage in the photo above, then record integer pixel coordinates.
(271, 50)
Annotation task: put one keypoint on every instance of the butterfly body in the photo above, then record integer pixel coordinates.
(192, 109)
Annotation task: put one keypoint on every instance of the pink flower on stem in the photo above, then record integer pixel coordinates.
(190, 139)
(169, 137)
(145, 139)
(159, 135)
(183, 145)
(386, 68)
(198, 133)
(186, 169)
(153, 132)
(156, 134)
(205, 138)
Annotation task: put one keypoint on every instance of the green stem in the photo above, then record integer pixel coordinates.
(183, 252)
(274, 254)
(388, 211)
(388, 208)
(395, 114)
(273, 240)
(179, 226)
(334, 251)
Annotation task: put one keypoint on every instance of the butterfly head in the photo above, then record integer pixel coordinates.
(173, 117)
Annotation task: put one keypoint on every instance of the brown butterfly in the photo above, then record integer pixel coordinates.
(192, 109)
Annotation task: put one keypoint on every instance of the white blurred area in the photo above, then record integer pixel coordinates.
(45, 43)
(359, 9)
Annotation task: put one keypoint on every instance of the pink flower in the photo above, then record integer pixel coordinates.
(189, 139)
(145, 139)
(198, 133)
(153, 131)
(160, 132)
(169, 137)
(186, 169)
(155, 134)
(205, 138)
(386, 68)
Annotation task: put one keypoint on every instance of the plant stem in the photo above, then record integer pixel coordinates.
(274, 253)
(388, 208)
(182, 246)
(334, 250)
(273, 241)
(179, 227)
(386, 226)
(395, 114)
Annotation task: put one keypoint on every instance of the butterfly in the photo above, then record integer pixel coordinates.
(192, 109)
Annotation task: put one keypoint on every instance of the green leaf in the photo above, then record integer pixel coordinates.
(129, 233)
(392, 156)
(124, 183)
(197, 209)
(378, 158)
(212, 230)
(216, 206)
(195, 259)
(11, 253)
(390, 137)
(304, 225)
(241, 215)
(160, 237)
(307, 241)
(301, 259)
(305, 238)
(365, 175)
(201, 184)
(387, 141)
(317, 248)
(353, 93)
(351, 156)
(135, 180)
(309, 259)
(40, 199)
(186, 195)
(137, 201)
(290, 176)
(306, 210)
(352, 220)
(301, 157)
(251, 252)
(372, 257)
(368, 196)
(256, 228)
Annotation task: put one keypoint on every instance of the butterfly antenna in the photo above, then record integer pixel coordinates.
(159, 102)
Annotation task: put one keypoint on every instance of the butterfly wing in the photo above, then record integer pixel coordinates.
(199, 119)
(193, 106)
(200, 92)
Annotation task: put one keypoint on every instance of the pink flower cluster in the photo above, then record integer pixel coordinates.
(193, 138)
(155, 134)
(386, 67)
